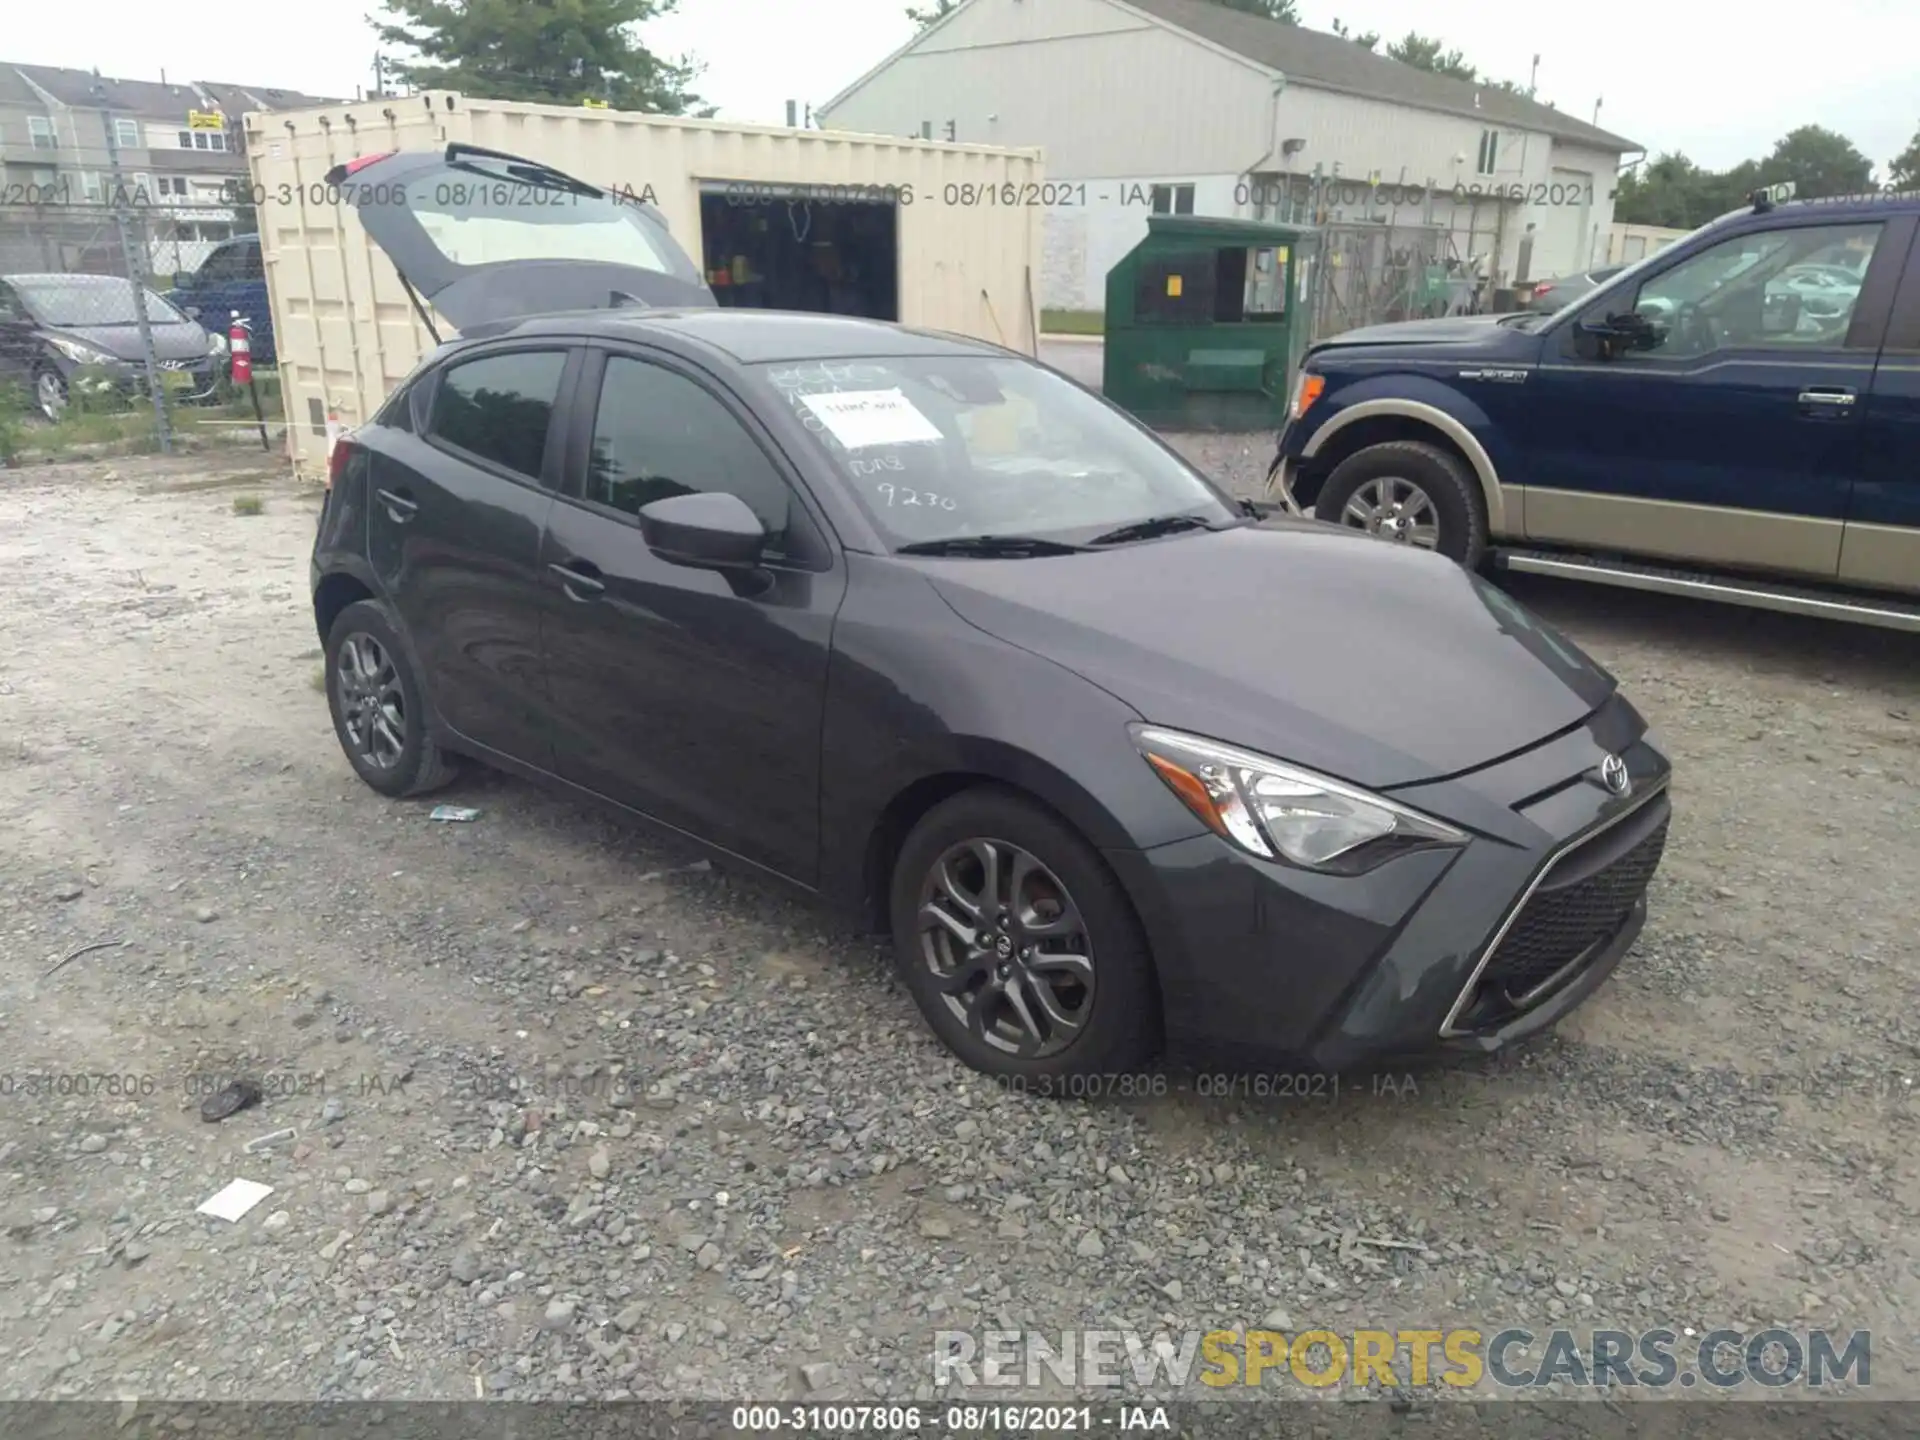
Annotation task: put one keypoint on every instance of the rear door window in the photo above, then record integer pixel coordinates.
(498, 409)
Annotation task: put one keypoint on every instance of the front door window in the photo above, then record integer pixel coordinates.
(1793, 289)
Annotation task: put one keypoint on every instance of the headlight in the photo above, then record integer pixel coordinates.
(1281, 812)
(216, 343)
(79, 352)
(1306, 390)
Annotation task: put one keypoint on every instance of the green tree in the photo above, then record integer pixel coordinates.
(1366, 42)
(1903, 171)
(1819, 162)
(1285, 11)
(925, 15)
(555, 52)
(1424, 52)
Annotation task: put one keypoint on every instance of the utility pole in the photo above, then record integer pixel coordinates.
(379, 79)
(1533, 77)
(1596, 110)
(136, 267)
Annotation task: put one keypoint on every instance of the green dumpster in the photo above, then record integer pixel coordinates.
(1206, 321)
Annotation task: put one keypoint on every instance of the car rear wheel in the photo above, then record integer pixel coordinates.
(378, 705)
(1412, 493)
(1018, 944)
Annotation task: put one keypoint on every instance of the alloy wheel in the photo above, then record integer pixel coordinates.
(1007, 947)
(1394, 509)
(373, 707)
(51, 395)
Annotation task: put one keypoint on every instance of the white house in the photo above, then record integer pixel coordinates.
(1188, 106)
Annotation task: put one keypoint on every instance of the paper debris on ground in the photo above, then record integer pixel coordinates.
(458, 814)
(235, 1200)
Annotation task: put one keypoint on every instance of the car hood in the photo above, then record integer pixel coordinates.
(1368, 661)
(170, 342)
(1450, 330)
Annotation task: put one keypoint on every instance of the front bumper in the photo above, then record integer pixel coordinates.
(1280, 481)
(1468, 950)
(197, 382)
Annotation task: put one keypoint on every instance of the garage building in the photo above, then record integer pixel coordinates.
(1189, 107)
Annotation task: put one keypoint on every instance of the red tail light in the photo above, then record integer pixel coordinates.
(339, 459)
(364, 161)
(1541, 289)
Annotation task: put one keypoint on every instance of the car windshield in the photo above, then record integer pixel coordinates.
(67, 302)
(941, 449)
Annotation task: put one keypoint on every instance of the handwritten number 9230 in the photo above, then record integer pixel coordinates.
(901, 495)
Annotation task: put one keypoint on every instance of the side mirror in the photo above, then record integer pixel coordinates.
(192, 312)
(708, 531)
(1628, 330)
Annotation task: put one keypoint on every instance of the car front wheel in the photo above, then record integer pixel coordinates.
(1018, 944)
(50, 394)
(1412, 493)
(379, 707)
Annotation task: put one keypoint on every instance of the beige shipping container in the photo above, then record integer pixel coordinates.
(346, 331)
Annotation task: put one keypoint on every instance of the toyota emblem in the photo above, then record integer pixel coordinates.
(1613, 774)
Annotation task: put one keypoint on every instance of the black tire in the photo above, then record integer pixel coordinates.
(416, 764)
(1449, 487)
(1117, 1025)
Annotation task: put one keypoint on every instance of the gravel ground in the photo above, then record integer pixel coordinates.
(575, 1119)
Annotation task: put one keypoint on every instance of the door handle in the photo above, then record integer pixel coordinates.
(399, 507)
(1828, 399)
(578, 584)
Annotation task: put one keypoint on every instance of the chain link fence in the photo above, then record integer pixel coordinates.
(1378, 274)
(117, 300)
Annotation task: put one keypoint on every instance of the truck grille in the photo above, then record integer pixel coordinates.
(1576, 907)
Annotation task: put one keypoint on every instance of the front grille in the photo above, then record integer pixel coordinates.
(1575, 908)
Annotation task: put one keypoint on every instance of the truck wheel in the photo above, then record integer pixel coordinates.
(1412, 493)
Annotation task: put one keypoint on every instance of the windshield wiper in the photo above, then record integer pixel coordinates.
(991, 546)
(517, 168)
(1148, 529)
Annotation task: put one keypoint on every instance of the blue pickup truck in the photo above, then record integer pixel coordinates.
(230, 278)
(1736, 417)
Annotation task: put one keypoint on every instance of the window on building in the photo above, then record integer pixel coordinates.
(497, 409)
(40, 129)
(126, 133)
(91, 187)
(1489, 151)
(203, 140)
(1173, 199)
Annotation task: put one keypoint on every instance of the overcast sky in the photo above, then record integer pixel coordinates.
(1719, 80)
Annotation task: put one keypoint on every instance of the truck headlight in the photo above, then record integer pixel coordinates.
(1281, 812)
(1307, 389)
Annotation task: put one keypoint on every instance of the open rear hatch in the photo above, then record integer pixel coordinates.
(489, 239)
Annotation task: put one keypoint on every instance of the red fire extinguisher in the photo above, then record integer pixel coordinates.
(240, 351)
(240, 347)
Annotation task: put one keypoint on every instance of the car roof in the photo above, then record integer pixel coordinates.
(56, 278)
(1877, 206)
(752, 337)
